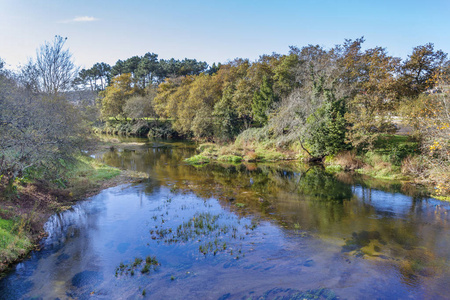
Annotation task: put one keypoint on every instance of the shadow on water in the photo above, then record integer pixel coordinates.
(246, 231)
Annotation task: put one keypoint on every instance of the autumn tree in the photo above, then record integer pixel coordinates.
(417, 71)
(141, 106)
(114, 97)
(372, 106)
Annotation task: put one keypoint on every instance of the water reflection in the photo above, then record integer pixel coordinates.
(253, 231)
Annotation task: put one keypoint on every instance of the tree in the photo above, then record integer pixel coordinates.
(38, 132)
(141, 106)
(147, 68)
(226, 119)
(327, 127)
(54, 70)
(114, 97)
(375, 99)
(262, 102)
(418, 70)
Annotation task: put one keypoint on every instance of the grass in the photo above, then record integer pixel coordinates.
(87, 173)
(235, 154)
(442, 198)
(13, 242)
(197, 160)
(383, 162)
(93, 170)
(230, 158)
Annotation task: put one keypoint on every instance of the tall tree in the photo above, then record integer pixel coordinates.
(147, 68)
(418, 70)
(114, 97)
(54, 70)
(262, 102)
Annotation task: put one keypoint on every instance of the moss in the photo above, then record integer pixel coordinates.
(197, 160)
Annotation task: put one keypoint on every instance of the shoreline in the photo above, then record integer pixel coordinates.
(209, 152)
(41, 203)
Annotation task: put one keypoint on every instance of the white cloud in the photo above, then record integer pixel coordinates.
(80, 19)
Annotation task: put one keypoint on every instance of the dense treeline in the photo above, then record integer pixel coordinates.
(145, 70)
(323, 101)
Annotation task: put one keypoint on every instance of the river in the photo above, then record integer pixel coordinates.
(246, 231)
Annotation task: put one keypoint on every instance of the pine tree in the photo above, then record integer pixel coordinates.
(262, 102)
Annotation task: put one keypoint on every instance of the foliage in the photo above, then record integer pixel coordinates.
(31, 140)
(369, 110)
(141, 106)
(263, 100)
(418, 70)
(327, 128)
(95, 79)
(114, 97)
(227, 122)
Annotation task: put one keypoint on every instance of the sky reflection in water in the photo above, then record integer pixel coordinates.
(238, 231)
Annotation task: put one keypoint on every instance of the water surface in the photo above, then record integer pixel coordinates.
(239, 232)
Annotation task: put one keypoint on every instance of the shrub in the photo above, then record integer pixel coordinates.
(347, 160)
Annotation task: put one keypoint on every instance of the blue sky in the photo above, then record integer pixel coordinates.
(216, 31)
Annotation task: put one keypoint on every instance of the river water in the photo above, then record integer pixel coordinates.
(248, 231)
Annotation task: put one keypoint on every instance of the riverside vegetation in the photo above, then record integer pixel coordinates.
(349, 108)
(340, 106)
(43, 143)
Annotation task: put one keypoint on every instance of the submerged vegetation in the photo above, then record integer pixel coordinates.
(150, 263)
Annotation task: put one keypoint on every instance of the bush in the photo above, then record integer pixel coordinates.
(347, 160)
(413, 166)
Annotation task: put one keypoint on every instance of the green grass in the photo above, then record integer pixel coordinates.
(197, 160)
(394, 148)
(13, 243)
(266, 155)
(92, 170)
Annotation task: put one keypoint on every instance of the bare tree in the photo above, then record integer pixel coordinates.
(54, 70)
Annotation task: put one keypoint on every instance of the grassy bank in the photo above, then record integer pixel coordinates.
(23, 214)
(394, 158)
(234, 154)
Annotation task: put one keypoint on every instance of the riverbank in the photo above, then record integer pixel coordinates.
(23, 215)
(151, 128)
(395, 157)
